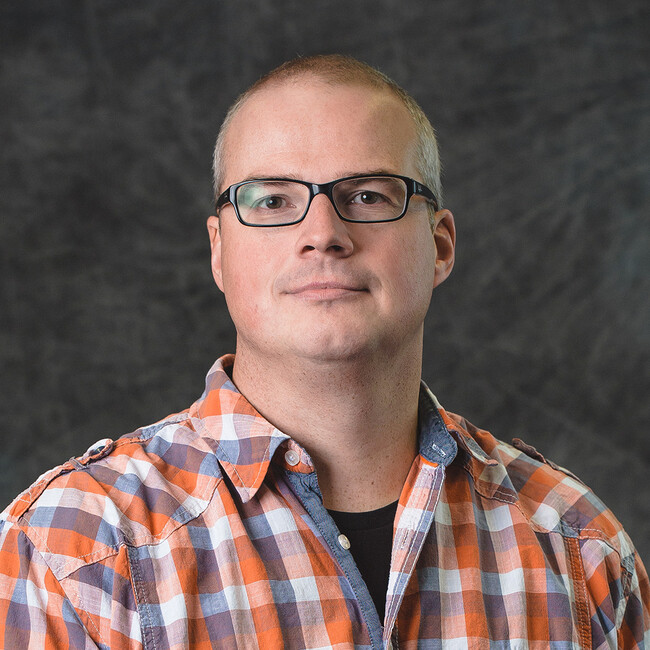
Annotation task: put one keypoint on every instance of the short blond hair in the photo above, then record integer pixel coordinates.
(340, 69)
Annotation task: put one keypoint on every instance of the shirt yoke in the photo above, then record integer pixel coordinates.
(136, 491)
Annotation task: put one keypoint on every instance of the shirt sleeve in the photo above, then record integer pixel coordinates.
(634, 628)
(619, 594)
(34, 609)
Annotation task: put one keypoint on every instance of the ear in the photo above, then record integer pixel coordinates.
(214, 232)
(444, 235)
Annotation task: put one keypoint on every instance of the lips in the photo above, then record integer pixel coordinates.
(326, 289)
(326, 285)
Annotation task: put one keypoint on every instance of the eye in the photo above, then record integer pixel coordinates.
(368, 197)
(270, 202)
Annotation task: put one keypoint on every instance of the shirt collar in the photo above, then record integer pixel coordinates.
(245, 443)
(437, 424)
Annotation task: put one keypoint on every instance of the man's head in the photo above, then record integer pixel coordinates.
(338, 69)
(324, 288)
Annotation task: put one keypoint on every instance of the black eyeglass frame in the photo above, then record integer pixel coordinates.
(413, 187)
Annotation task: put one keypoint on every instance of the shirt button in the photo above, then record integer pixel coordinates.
(344, 542)
(292, 458)
(98, 447)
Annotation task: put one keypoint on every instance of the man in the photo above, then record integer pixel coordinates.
(317, 495)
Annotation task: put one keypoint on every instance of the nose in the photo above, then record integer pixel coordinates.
(323, 230)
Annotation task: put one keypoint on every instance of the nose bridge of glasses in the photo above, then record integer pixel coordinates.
(326, 190)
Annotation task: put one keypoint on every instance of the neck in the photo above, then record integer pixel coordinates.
(357, 418)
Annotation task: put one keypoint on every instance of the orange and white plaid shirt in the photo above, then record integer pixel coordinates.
(207, 530)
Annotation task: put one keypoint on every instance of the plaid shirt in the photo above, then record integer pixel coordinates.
(207, 529)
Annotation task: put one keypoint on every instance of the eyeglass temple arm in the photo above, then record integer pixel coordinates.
(424, 191)
(222, 199)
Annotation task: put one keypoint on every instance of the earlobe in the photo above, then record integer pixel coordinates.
(444, 235)
(214, 232)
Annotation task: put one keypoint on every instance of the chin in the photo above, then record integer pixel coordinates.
(336, 348)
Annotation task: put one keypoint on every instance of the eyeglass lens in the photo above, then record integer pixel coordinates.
(359, 199)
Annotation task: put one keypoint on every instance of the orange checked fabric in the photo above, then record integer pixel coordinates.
(207, 530)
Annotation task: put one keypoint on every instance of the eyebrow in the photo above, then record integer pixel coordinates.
(275, 177)
(295, 177)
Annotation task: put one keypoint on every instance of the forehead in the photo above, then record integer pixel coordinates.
(317, 131)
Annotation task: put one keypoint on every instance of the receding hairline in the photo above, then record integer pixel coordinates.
(303, 79)
(309, 79)
(334, 69)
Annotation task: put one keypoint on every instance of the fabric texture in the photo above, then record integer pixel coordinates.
(207, 529)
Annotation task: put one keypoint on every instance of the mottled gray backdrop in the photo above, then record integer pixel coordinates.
(109, 318)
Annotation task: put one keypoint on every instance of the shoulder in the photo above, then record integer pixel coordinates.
(577, 533)
(135, 490)
(550, 497)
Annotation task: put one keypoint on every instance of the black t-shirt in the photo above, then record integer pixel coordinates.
(371, 541)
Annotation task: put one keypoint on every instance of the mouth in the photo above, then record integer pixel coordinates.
(326, 290)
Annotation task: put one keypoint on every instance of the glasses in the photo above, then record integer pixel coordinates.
(373, 198)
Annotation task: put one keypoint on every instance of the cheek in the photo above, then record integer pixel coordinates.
(247, 280)
(413, 272)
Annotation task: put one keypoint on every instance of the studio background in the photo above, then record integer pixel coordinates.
(110, 319)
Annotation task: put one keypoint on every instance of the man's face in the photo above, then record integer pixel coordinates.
(325, 289)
